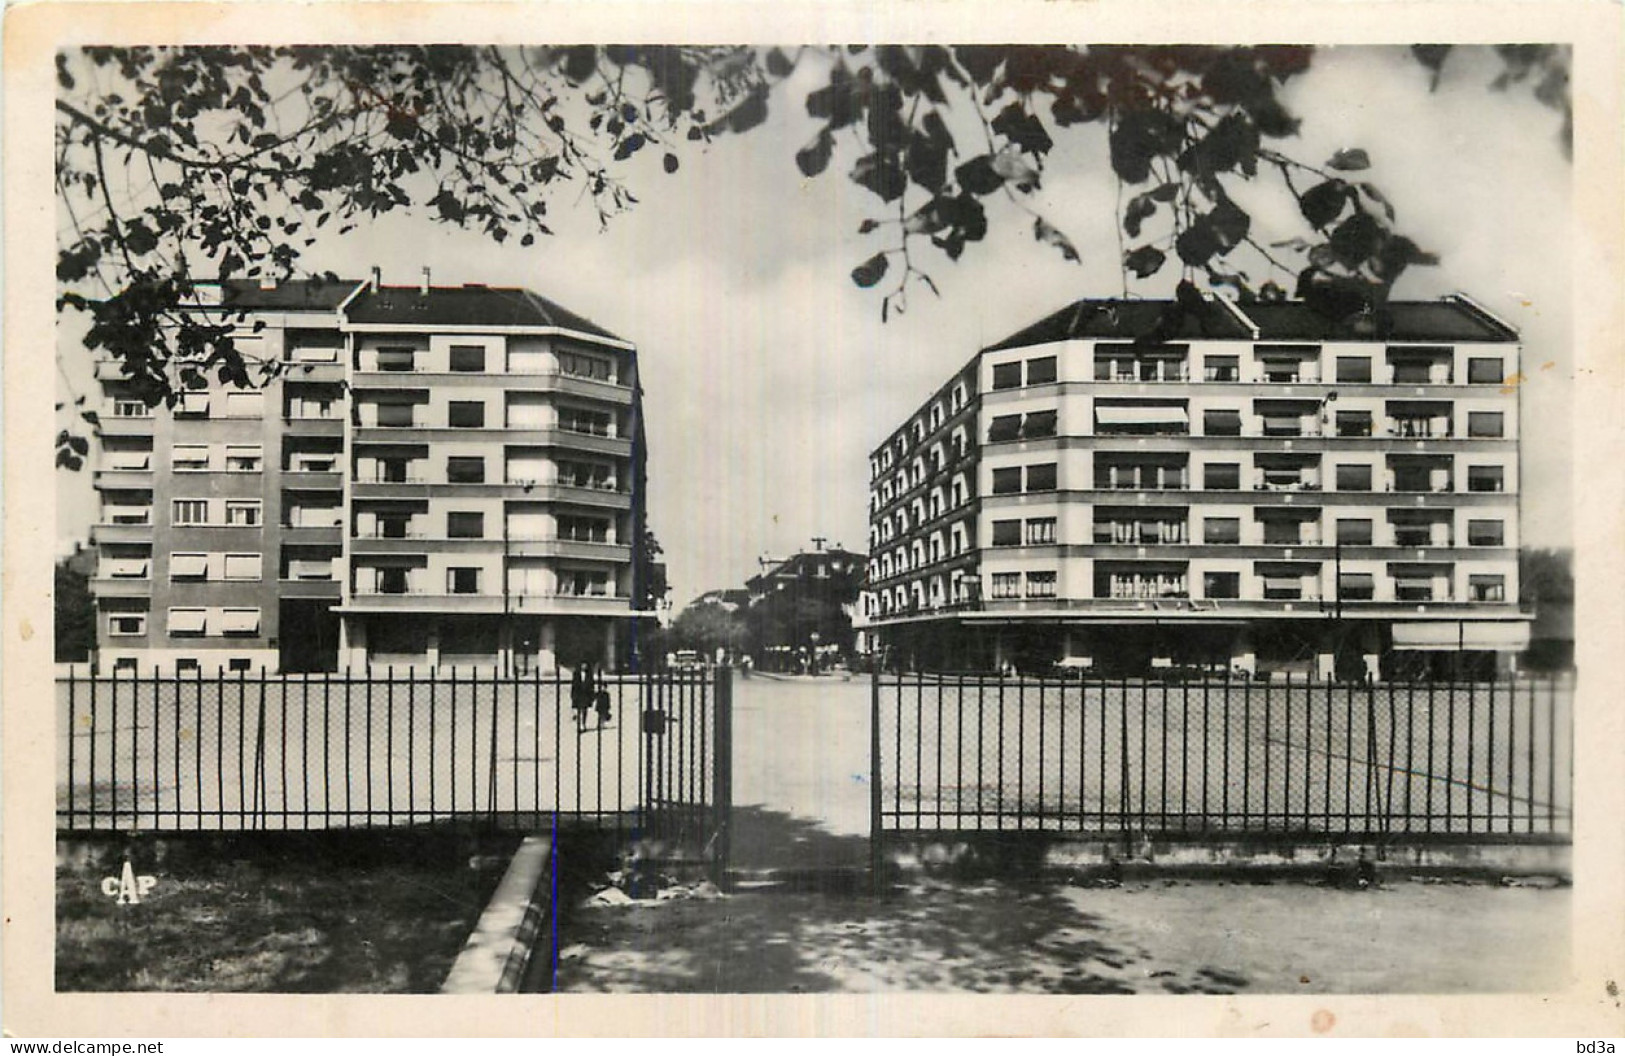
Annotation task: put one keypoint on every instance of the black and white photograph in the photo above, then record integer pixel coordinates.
(1106, 515)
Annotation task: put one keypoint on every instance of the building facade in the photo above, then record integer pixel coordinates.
(435, 476)
(1127, 486)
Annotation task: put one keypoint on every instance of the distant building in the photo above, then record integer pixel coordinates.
(1122, 485)
(439, 476)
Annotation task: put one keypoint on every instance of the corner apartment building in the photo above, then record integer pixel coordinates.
(436, 476)
(1261, 488)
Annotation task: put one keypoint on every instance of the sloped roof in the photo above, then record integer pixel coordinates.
(311, 295)
(1449, 320)
(467, 306)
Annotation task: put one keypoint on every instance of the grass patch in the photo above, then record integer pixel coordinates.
(341, 912)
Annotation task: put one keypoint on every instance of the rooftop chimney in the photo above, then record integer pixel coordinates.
(377, 277)
(423, 284)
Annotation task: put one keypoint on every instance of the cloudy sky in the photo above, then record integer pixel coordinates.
(769, 376)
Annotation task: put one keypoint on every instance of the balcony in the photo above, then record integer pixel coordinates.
(123, 478)
(313, 480)
(121, 587)
(319, 589)
(313, 426)
(422, 544)
(569, 548)
(327, 372)
(313, 534)
(127, 425)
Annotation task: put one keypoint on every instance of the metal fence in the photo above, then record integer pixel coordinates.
(306, 752)
(1146, 759)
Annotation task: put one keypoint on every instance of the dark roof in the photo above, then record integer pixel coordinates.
(467, 306)
(1127, 321)
(1448, 320)
(320, 295)
(1452, 319)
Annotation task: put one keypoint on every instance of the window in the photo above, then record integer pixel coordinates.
(245, 405)
(188, 622)
(1038, 424)
(243, 566)
(1413, 587)
(395, 359)
(1486, 478)
(1356, 586)
(576, 420)
(1006, 375)
(1004, 427)
(1221, 368)
(1411, 372)
(465, 526)
(128, 458)
(1041, 584)
(1041, 477)
(462, 580)
(1006, 481)
(194, 403)
(1486, 588)
(188, 665)
(394, 414)
(1221, 476)
(1354, 531)
(315, 463)
(465, 469)
(189, 458)
(584, 529)
(1006, 533)
(123, 623)
(1353, 478)
(1041, 531)
(1279, 532)
(131, 409)
(1485, 423)
(469, 358)
(1484, 370)
(579, 366)
(243, 513)
(1221, 584)
(1354, 369)
(466, 414)
(1222, 422)
(240, 621)
(1353, 423)
(390, 580)
(244, 459)
(238, 664)
(1486, 533)
(1007, 584)
(125, 567)
(188, 566)
(1283, 588)
(1221, 530)
(1041, 371)
(190, 511)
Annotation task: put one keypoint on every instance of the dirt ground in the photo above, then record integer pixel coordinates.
(1151, 937)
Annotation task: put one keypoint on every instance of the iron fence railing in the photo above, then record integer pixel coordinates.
(1151, 759)
(168, 752)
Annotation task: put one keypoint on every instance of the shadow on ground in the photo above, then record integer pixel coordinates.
(811, 923)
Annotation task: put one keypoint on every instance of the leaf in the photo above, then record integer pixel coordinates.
(1145, 261)
(629, 146)
(748, 114)
(1356, 239)
(1015, 170)
(1350, 160)
(1197, 243)
(1370, 191)
(868, 226)
(978, 175)
(1140, 208)
(1230, 223)
(669, 162)
(79, 445)
(870, 271)
(778, 64)
(1141, 135)
(138, 239)
(1324, 202)
(1022, 129)
(1048, 233)
(882, 174)
(580, 62)
(814, 157)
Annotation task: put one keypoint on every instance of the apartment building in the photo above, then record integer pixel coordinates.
(437, 476)
(1254, 487)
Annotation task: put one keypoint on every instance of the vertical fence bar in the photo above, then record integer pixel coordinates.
(876, 829)
(1433, 737)
(1124, 773)
(959, 751)
(1551, 751)
(1060, 762)
(70, 724)
(1471, 782)
(919, 747)
(937, 815)
(1144, 701)
(722, 771)
(1529, 760)
(999, 808)
(1021, 752)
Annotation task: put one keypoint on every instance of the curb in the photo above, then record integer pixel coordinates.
(494, 959)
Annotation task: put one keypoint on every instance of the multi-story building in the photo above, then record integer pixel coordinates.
(1259, 488)
(436, 476)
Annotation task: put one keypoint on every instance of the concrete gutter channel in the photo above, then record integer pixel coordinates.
(516, 923)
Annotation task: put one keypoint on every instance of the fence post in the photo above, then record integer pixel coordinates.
(877, 855)
(722, 771)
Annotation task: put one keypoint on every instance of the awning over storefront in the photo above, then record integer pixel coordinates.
(1440, 635)
(1140, 414)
